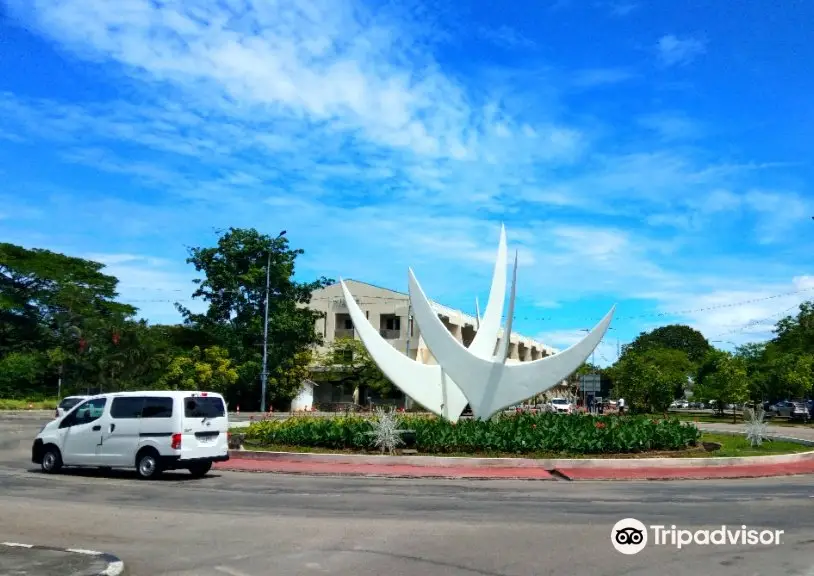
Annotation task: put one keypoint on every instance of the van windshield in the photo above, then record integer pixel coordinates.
(203, 407)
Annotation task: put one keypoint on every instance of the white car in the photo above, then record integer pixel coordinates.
(561, 405)
(67, 403)
(148, 431)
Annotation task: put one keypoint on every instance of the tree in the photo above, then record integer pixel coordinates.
(288, 379)
(673, 337)
(209, 370)
(651, 379)
(348, 363)
(21, 374)
(234, 288)
(50, 302)
(795, 334)
(791, 375)
(722, 378)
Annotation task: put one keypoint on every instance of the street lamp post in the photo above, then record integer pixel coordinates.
(264, 376)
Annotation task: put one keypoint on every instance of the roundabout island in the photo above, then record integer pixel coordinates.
(515, 445)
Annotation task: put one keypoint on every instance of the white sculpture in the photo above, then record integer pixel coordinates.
(489, 383)
(428, 384)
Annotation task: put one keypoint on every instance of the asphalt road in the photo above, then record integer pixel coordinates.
(239, 524)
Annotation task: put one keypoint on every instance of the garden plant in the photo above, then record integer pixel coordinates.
(520, 433)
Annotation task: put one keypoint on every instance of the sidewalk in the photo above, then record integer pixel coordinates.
(46, 561)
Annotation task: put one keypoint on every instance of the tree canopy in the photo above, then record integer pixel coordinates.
(780, 369)
(61, 320)
(673, 337)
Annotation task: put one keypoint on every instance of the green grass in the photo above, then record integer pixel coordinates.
(727, 419)
(731, 446)
(40, 404)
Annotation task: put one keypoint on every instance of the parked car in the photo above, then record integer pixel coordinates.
(790, 409)
(561, 405)
(149, 431)
(67, 403)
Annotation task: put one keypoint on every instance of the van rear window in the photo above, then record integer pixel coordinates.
(203, 407)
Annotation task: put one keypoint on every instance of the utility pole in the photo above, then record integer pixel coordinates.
(264, 376)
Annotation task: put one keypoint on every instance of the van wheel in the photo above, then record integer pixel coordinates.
(200, 470)
(51, 460)
(147, 465)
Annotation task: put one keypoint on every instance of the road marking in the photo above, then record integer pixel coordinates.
(230, 571)
(18, 545)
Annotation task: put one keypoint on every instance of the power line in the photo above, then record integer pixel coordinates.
(387, 299)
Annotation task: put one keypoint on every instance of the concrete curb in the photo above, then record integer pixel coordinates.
(546, 463)
(115, 567)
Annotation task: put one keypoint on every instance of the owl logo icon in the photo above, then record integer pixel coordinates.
(629, 536)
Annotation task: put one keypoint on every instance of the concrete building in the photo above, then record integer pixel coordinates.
(390, 312)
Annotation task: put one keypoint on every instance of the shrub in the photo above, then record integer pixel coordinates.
(36, 404)
(520, 433)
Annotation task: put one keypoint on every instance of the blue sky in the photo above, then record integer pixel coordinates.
(649, 153)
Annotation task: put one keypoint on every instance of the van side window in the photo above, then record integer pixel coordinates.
(157, 407)
(85, 413)
(127, 407)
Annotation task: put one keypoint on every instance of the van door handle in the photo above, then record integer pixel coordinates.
(97, 427)
(112, 428)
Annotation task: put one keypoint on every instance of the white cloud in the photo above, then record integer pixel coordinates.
(339, 124)
(623, 8)
(604, 355)
(676, 51)
(593, 77)
(671, 125)
(506, 37)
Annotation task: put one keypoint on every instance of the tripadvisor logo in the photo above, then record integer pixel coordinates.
(630, 536)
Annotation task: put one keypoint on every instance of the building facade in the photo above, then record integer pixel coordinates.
(389, 311)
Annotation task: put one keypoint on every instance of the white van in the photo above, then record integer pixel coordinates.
(151, 431)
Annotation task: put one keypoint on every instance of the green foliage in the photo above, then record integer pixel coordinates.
(348, 362)
(60, 319)
(673, 337)
(723, 378)
(649, 380)
(208, 369)
(795, 334)
(234, 288)
(33, 403)
(20, 374)
(522, 433)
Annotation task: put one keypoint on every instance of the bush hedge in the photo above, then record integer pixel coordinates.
(36, 404)
(521, 433)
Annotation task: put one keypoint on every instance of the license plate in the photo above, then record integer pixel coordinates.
(206, 438)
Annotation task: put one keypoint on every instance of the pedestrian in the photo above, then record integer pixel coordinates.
(621, 405)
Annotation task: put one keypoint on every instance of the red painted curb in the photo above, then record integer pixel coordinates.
(390, 470)
(686, 473)
(281, 466)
